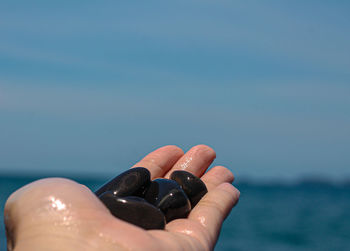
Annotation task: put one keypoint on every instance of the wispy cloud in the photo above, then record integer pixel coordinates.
(264, 83)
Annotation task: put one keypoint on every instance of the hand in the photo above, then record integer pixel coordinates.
(60, 214)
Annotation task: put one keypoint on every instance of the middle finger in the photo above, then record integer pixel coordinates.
(195, 161)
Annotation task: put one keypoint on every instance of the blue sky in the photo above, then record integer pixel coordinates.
(90, 87)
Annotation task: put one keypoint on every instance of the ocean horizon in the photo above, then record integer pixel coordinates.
(87, 89)
(306, 214)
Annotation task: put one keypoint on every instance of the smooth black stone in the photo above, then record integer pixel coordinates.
(169, 197)
(134, 210)
(193, 186)
(133, 182)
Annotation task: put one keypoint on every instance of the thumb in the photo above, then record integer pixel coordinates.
(50, 211)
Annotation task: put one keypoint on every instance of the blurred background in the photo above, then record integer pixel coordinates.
(88, 88)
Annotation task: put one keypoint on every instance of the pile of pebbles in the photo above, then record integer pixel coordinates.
(133, 197)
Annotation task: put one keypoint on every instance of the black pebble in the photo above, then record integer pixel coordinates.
(168, 196)
(193, 186)
(132, 182)
(134, 210)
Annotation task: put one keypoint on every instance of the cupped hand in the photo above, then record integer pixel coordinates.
(60, 214)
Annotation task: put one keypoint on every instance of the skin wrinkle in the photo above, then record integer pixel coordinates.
(92, 242)
(68, 208)
(110, 241)
(35, 234)
(102, 231)
(151, 163)
(205, 234)
(193, 229)
(153, 166)
(213, 204)
(193, 247)
(223, 172)
(163, 240)
(217, 174)
(101, 237)
(104, 234)
(111, 228)
(32, 220)
(205, 151)
(80, 242)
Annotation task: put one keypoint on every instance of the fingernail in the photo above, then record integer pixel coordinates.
(238, 192)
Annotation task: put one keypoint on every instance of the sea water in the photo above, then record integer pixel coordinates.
(304, 216)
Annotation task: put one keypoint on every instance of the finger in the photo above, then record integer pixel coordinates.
(48, 206)
(63, 214)
(216, 176)
(204, 222)
(212, 210)
(196, 160)
(161, 160)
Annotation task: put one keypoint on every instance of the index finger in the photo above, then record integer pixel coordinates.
(161, 160)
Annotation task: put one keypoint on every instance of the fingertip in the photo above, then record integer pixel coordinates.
(224, 173)
(230, 189)
(196, 160)
(161, 160)
(216, 176)
(204, 149)
(172, 148)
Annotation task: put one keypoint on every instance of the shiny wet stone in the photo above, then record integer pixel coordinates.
(193, 186)
(134, 210)
(133, 182)
(169, 197)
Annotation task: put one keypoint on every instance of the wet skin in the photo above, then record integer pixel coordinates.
(60, 214)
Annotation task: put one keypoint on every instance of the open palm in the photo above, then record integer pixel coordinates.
(60, 214)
